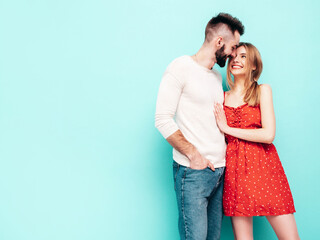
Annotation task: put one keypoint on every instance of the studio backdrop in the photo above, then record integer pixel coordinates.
(80, 158)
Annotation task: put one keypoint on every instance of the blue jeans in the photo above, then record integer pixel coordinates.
(199, 197)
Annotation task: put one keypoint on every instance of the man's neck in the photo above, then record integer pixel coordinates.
(205, 57)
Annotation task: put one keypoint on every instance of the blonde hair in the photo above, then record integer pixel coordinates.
(254, 69)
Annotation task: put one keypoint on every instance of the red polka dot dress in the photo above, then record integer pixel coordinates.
(255, 182)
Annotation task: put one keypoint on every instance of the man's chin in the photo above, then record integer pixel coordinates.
(222, 63)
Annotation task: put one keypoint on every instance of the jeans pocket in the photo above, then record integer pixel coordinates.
(198, 170)
(176, 167)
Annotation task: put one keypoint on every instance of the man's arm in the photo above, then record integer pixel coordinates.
(197, 161)
(168, 98)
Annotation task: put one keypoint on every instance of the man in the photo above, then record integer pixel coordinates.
(188, 91)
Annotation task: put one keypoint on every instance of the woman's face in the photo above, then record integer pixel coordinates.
(238, 64)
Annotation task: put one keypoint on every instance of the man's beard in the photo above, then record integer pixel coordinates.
(221, 57)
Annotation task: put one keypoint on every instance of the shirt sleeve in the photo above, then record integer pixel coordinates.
(168, 99)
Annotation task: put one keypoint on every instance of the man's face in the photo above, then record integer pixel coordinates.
(221, 56)
(227, 50)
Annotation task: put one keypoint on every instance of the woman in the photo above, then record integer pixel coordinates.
(255, 182)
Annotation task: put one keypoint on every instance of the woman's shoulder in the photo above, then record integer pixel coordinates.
(226, 93)
(265, 87)
(265, 93)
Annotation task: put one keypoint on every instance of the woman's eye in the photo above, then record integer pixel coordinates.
(243, 56)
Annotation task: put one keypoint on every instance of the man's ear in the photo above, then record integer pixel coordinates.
(219, 42)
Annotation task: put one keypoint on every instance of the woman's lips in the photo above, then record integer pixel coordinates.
(236, 67)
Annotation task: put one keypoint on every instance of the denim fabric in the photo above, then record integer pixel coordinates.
(199, 197)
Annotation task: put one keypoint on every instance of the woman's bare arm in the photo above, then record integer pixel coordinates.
(265, 134)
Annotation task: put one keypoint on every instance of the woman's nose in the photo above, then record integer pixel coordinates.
(235, 59)
(234, 53)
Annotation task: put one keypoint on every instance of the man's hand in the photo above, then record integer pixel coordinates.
(198, 162)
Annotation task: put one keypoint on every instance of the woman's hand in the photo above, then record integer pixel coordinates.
(220, 117)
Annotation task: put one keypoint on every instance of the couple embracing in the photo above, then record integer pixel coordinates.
(224, 159)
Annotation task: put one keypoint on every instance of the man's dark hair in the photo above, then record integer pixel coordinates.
(233, 24)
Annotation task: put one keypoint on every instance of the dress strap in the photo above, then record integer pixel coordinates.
(224, 97)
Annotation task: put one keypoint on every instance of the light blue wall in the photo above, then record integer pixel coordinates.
(79, 155)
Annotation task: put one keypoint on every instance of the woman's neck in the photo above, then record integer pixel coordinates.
(239, 83)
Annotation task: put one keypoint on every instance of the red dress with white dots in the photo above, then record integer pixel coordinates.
(255, 182)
